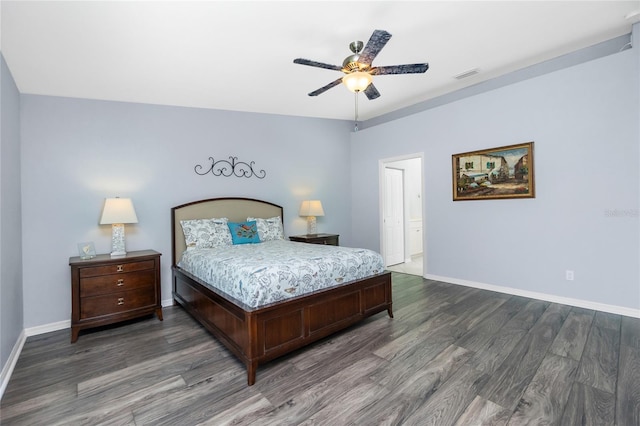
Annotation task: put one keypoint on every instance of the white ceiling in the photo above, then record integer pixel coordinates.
(238, 55)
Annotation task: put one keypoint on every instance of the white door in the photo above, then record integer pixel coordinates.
(393, 219)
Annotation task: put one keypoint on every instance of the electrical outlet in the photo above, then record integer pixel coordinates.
(569, 275)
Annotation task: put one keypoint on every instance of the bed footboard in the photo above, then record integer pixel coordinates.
(259, 335)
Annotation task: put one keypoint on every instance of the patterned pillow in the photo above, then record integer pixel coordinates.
(206, 233)
(244, 232)
(269, 229)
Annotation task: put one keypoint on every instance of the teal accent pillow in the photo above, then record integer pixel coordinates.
(244, 232)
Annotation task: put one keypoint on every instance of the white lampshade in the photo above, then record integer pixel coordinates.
(357, 81)
(117, 212)
(311, 208)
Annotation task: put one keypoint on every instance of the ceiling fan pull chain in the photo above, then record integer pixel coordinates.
(355, 128)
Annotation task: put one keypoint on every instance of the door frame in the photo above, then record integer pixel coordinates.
(382, 164)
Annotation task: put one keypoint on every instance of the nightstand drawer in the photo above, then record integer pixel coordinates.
(116, 282)
(116, 268)
(114, 303)
(329, 241)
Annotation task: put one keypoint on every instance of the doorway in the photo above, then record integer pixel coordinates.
(401, 214)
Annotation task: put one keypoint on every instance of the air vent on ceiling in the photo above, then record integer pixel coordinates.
(467, 74)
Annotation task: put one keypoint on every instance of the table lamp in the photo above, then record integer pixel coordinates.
(116, 212)
(311, 209)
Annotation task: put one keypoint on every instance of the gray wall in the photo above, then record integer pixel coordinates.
(11, 323)
(77, 152)
(584, 121)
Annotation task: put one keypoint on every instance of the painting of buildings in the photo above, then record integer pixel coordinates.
(505, 172)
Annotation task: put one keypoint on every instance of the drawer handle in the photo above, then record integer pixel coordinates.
(120, 300)
(120, 282)
(119, 268)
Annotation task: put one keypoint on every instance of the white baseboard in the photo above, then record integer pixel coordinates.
(7, 370)
(61, 325)
(47, 328)
(612, 309)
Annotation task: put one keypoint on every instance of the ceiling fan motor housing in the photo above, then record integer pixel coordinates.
(350, 63)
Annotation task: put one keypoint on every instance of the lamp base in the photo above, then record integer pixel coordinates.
(117, 240)
(311, 225)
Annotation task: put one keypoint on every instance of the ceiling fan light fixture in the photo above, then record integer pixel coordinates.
(357, 81)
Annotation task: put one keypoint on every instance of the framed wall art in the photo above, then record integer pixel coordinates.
(502, 172)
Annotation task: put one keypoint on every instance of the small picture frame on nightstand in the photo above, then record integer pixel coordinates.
(86, 250)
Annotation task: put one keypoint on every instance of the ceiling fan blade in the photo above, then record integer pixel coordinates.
(325, 88)
(371, 92)
(400, 69)
(316, 64)
(375, 44)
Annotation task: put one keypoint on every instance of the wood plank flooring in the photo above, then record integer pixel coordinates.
(451, 356)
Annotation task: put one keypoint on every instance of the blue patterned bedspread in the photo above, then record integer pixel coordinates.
(259, 274)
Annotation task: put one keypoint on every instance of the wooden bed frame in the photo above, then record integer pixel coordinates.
(258, 335)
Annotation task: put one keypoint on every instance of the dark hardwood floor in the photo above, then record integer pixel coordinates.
(451, 356)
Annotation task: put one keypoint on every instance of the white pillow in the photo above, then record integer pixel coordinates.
(269, 229)
(206, 233)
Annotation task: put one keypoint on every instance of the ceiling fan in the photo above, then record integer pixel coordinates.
(358, 68)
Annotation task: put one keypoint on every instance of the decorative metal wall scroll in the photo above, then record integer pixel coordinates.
(231, 167)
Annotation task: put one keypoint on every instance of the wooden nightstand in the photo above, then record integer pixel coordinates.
(105, 290)
(326, 239)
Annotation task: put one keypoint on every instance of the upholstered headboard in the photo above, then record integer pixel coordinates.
(235, 209)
